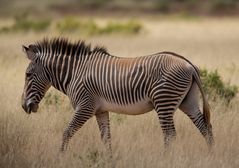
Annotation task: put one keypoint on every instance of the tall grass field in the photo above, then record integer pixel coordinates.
(31, 141)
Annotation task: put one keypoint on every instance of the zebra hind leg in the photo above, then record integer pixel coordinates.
(104, 126)
(80, 117)
(190, 106)
(168, 129)
(165, 103)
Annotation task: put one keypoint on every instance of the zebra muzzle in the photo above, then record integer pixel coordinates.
(32, 107)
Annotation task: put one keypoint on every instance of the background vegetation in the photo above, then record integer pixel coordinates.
(69, 24)
(188, 7)
(216, 88)
(90, 27)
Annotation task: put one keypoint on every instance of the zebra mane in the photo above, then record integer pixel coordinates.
(64, 46)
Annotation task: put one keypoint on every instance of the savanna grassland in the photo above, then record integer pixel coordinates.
(137, 141)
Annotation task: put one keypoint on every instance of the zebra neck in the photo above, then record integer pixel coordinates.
(62, 70)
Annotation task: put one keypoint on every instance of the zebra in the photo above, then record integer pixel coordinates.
(98, 83)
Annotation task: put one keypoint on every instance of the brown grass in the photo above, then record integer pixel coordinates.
(137, 141)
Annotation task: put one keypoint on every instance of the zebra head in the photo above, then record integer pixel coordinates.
(36, 81)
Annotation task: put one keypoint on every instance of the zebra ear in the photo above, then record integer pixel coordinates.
(24, 48)
(31, 55)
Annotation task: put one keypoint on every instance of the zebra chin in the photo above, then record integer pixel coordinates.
(32, 107)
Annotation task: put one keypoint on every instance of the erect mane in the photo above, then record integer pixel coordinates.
(64, 46)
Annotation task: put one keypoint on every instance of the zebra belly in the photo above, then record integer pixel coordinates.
(140, 107)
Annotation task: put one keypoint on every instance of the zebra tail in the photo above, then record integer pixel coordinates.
(206, 107)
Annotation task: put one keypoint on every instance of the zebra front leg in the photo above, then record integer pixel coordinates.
(104, 126)
(80, 117)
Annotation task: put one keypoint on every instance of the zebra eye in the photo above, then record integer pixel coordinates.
(28, 74)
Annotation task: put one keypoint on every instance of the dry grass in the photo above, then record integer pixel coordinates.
(34, 140)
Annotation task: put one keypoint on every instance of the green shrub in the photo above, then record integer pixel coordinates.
(23, 23)
(213, 85)
(68, 24)
(90, 27)
(93, 156)
(30, 25)
(51, 99)
(5, 29)
(131, 27)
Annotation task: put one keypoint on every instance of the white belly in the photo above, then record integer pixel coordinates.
(140, 107)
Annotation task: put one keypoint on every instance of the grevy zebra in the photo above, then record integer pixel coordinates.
(97, 82)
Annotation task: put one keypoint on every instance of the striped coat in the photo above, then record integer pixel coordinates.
(97, 82)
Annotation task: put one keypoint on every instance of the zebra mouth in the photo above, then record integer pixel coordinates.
(32, 107)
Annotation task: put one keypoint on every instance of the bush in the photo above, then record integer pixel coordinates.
(68, 24)
(131, 27)
(51, 99)
(90, 27)
(5, 29)
(23, 23)
(29, 25)
(213, 85)
(71, 24)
